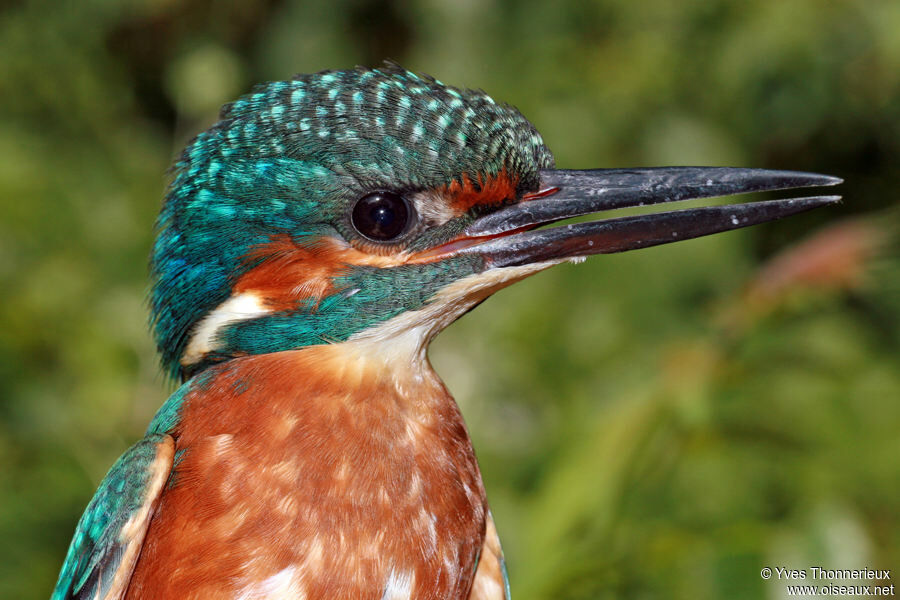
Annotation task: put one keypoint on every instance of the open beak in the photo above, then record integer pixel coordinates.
(508, 237)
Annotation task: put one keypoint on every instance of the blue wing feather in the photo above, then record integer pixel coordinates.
(111, 531)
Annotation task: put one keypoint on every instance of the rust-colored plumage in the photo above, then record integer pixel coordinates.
(343, 469)
(285, 274)
(484, 190)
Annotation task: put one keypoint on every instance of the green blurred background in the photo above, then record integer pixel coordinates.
(658, 424)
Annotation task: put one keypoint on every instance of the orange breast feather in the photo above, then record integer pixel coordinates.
(312, 474)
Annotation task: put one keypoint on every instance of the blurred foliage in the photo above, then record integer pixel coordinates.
(659, 424)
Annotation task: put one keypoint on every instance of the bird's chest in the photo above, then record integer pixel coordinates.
(325, 492)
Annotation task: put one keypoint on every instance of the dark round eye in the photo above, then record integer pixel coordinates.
(381, 216)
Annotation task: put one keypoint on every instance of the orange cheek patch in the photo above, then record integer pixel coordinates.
(490, 190)
(288, 274)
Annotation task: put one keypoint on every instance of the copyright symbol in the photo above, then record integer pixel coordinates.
(766, 572)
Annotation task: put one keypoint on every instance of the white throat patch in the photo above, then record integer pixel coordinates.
(405, 338)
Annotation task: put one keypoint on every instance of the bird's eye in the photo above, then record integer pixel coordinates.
(381, 216)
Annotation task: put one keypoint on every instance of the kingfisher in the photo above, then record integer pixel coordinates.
(310, 246)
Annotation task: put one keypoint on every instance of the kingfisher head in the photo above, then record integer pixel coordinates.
(381, 203)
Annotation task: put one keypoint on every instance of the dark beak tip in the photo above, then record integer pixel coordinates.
(828, 200)
(829, 180)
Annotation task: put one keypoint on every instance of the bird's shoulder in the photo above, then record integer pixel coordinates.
(110, 534)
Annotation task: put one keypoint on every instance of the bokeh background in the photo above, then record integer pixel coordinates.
(658, 424)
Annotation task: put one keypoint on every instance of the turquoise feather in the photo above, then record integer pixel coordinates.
(290, 158)
(100, 546)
